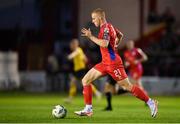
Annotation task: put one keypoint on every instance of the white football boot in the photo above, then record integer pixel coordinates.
(87, 111)
(153, 105)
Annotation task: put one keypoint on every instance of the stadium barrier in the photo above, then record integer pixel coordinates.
(38, 82)
(161, 85)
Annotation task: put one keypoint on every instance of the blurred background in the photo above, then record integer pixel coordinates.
(35, 37)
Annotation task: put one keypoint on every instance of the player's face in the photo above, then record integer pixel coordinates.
(95, 19)
(73, 45)
(130, 45)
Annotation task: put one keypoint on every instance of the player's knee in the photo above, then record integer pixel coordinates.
(126, 85)
(84, 81)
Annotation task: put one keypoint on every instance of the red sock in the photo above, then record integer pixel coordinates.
(87, 92)
(137, 84)
(136, 91)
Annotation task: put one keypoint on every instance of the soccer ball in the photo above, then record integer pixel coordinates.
(59, 111)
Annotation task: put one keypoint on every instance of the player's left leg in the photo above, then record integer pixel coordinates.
(118, 73)
(135, 78)
(139, 93)
(139, 84)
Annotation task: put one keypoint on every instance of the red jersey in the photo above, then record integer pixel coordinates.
(132, 55)
(109, 55)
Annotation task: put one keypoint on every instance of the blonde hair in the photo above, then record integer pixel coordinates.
(100, 12)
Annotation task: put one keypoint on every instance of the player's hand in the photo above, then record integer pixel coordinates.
(86, 32)
(119, 37)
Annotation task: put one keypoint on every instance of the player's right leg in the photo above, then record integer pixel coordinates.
(90, 76)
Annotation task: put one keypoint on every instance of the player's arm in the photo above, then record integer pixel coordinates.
(144, 56)
(119, 37)
(73, 54)
(100, 42)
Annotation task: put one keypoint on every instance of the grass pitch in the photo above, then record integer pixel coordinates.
(36, 108)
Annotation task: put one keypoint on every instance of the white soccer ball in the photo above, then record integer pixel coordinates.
(59, 111)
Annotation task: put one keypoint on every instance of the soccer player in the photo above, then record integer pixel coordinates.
(133, 61)
(79, 61)
(111, 64)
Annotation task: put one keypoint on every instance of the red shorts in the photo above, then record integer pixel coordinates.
(136, 73)
(117, 72)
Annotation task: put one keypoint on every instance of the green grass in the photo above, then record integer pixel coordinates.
(36, 108)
